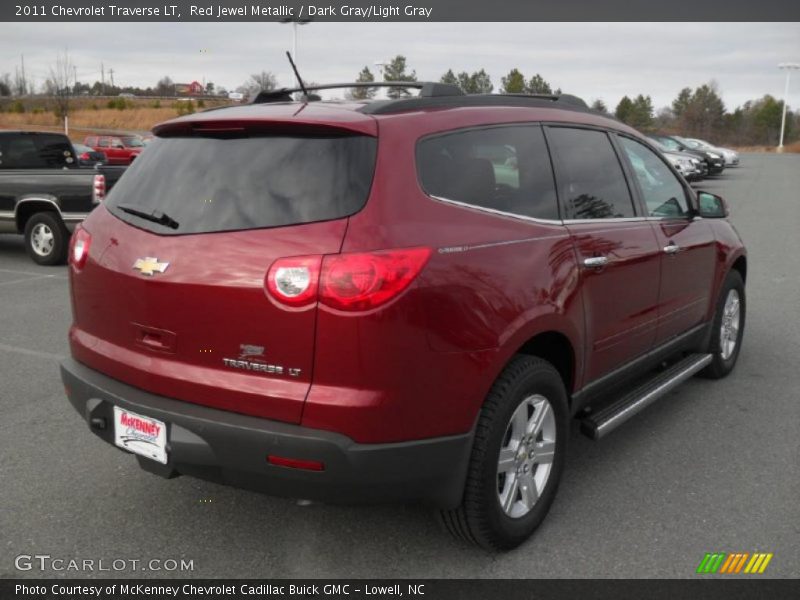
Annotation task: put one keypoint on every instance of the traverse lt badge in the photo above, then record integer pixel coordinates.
(149, 265)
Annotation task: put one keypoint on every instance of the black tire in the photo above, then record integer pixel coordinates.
(721, 365)
(480, 518)
(49, 254)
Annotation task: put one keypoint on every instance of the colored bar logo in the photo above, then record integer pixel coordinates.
(735, 562)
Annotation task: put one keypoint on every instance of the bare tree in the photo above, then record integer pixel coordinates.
(165, 86)
(258, 82)
(59, 86)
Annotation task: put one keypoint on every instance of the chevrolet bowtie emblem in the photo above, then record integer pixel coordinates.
(149, 265)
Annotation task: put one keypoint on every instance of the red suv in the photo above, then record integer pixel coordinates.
(119, 149)
(395, 300)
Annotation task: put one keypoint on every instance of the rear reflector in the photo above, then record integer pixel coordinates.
(79, 247)
(295, 463)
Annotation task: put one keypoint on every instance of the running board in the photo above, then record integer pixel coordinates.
(610, 417)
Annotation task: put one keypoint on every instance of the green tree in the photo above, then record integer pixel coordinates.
(642, 112)
(513, 83)
(681, 103)
(538, 85)
(699, 113)
(449, 78)
(396, 71)
(364, 93)
(481, 83)
(624, 109)
(600, 106)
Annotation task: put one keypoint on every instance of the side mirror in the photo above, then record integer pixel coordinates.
(711, 206)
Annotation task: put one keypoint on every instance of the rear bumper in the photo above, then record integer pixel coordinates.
(230, 448)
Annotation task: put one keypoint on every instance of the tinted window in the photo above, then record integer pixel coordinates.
(501, 168)
(35, 151)
(214, 184)
(103, 143)
(591, 183)
(662, 191)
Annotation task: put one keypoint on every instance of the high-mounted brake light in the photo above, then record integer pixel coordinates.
(98, 188)
(363, 281)
(294, 281)
(79, 247)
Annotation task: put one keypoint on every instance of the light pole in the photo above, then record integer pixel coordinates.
(788, 67)
(295, 23)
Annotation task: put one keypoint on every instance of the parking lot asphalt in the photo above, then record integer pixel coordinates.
(714, 466)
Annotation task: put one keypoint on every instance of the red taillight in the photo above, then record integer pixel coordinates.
(293, 281)
(349, 282)
(295, 463)
(98, 188)
(84, 156)
(79, 247)
(363, 281)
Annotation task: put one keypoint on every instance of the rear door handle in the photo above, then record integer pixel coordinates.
(595, 261)
(672, 248)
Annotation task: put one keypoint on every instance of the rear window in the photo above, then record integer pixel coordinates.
(35, 151)
(206, 184)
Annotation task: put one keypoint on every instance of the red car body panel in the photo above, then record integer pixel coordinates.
(420, 366)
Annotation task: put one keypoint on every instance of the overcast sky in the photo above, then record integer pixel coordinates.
(591, 60)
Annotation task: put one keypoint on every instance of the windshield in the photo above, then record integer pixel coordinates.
(207, 184)
(132, 142)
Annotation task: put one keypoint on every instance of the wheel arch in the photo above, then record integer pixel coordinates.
(556, 348)
(27, 207)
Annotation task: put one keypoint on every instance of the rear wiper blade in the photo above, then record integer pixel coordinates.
(156, 216)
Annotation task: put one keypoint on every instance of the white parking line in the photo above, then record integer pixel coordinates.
(31, 273)
(25, 279)
(36, 353)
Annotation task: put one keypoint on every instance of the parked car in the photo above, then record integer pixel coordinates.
(397, 300)
(689, 165)
(731, 156)
(89, 157)
(43, 192)
(119, 149)
(715, 163)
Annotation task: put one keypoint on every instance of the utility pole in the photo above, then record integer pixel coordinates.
(103, 78)
(788, 67)
(24, 81)
(111, 74)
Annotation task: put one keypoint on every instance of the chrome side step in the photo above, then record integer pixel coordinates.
(610, 417)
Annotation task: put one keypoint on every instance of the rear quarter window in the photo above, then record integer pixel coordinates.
(504, 168)
(208, 184)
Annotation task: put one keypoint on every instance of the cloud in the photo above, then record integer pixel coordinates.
(592, 60)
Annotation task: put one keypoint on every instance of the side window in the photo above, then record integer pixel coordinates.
(91, 141)
(662, 191)
(591, 182)
(103, 143)
(501, 168)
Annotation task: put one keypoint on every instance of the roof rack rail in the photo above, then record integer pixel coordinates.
(428, 89)
(564, 101)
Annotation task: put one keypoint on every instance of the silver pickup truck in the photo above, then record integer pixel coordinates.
(44, 192)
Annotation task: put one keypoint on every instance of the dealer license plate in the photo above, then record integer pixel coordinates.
(141, 435)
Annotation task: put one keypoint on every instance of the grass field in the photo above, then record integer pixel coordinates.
(93, 115)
